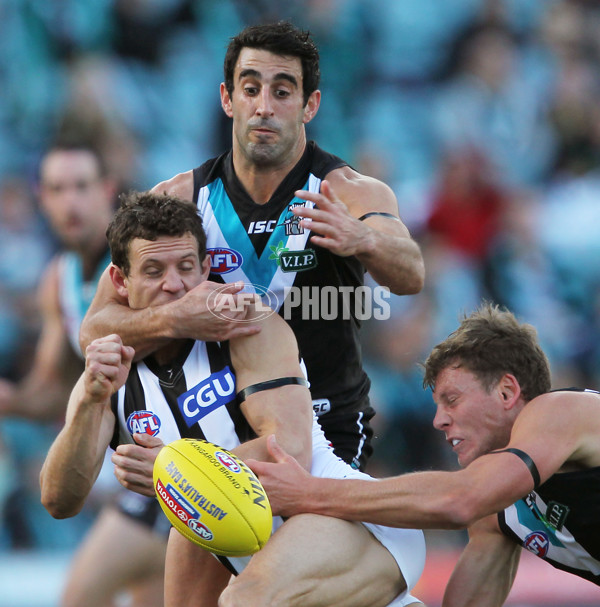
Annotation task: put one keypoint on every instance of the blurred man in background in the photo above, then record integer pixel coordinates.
(78, 197)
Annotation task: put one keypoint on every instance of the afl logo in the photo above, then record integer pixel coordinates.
(200, 529)
(538, 543)
(143, 422)
(228, 462)
(223, 260)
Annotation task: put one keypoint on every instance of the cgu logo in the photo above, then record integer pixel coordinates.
(143, 422)
(223, 260)
(215, 391)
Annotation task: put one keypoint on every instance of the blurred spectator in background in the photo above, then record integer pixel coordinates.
(24, 236)
(491, 102)
(467, 203)
(77, 195)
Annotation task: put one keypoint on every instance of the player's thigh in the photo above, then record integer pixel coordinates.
(315, 560)
(117, 553)
(193, 576)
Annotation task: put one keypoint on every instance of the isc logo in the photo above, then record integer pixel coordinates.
(259, 227)
(143, 422)
(223, 260)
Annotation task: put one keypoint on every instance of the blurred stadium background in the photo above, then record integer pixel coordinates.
(483, 116)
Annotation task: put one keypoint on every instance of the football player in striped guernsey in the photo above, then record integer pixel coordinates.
(234, 394)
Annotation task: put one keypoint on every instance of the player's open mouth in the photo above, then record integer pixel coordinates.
(456, 441)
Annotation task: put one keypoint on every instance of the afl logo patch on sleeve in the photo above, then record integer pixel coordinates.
(143, 422)
(224, 260)
(538, 543)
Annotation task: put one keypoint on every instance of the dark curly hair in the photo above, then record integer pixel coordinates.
(148, 215)
(282, 39)
(489, 343)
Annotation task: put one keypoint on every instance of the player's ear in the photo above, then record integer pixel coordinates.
(509, 390)
(206, 267)
(119, 280)
(312, 106)
(226, 101)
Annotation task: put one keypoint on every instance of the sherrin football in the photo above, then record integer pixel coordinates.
(212, 498)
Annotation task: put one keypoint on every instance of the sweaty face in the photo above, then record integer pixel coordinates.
(473, 420)
(267, 107)
(75, 198)
(162, 270)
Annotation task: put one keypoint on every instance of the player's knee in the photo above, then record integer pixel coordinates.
(244, 592)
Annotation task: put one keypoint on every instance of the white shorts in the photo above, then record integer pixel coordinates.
(407, 546)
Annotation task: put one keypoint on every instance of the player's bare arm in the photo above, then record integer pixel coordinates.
(381, 242)
(75, 458)
(181, 185)
(148, 329)
(554, 434)
(486, 569)
(285, 411)
(43, 393)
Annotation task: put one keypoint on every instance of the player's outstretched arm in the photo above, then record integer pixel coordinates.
(550, 430)
(75, 458)
(486, 569)
(380, 240)
(426, 500)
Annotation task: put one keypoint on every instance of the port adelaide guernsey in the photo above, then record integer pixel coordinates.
(264, 246)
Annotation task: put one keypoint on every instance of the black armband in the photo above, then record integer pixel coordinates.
(527, 461)
(242, 395)
(363, 217)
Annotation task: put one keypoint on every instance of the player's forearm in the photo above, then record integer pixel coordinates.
(257, 449)
(394, 261)
(387, 502)
(484, 573)
(37, 399)
(73, 461)
(145, 329)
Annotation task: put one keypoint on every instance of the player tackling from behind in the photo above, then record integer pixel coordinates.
(158, 253)
(530, 458)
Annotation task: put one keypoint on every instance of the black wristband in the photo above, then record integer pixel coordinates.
(242, 395)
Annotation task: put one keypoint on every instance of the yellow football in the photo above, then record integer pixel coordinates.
(212, 497)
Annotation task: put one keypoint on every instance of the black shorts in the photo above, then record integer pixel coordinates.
(347, 429)
(144, 510)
